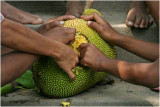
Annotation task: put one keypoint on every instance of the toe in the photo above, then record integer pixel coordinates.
(150, 22)
(142, 24)
(130, 22)
(37, 20)
(130, 19)
(147, 23)
(137, 22)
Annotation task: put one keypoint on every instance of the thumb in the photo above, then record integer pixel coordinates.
(71, 75)
(82, 46)
(95, 26)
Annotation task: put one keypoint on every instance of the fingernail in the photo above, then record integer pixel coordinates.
(61, 22)
(89, 22)
(130, 23)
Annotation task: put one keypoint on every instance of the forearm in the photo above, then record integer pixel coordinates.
(146, 74)
(19, 37)
(147, 50)
(14, 64)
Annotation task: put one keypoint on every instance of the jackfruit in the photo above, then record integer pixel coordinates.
(52, 81)
(90, 11)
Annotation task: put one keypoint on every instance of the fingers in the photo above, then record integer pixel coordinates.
(70, 72)
(70, 33)
(71, 75)
(50, 25)
(54, 24)
(96, 17)
(71, 39)
(82, 49)
(82, 46)
(70, 30)
(83, 62)
(96, 26)
(61, 18)
(83, 53)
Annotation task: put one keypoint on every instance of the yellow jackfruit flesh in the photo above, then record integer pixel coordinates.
(79, 39)
(52, 81)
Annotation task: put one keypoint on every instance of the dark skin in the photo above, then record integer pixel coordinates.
(67, 62)
(153, 7)
(74, 8)
(137, 15)
(146, 74)
(120, 66)
(18, 15)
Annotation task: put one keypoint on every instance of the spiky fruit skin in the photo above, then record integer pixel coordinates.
(52, 81)
(90, 11)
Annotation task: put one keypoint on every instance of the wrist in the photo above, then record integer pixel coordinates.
(107, 65)
(56, 52)
(116, 38)
(104, 64)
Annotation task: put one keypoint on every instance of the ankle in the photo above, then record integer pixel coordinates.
(137, 4)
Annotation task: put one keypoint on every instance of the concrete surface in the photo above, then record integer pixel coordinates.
(120, 93)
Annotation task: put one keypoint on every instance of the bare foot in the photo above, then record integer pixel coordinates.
(17, 15)
(137, 16)
(74, 8)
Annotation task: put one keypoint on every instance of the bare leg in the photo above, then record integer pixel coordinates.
(137, 16)
(14, 64)
(154, 9)
(5, 50)
(74, 8)
(17, 15)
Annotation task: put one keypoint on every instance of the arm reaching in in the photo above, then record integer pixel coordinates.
(146, 74)
(14, 64)
(138, 47)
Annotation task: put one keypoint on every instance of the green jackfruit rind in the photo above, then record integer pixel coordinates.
(90, 11)
(56, 83)
(52, 81)
(82, 27)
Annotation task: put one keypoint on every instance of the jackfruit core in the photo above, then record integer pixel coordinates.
(79, 39)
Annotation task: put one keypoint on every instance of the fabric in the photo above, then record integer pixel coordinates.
(2, 17)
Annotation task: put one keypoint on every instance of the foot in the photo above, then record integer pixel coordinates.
(137, 16)
(17, 15)
(74, 8)
(156, 89)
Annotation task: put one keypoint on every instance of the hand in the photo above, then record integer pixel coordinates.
(61, 18)
(64, 35)
(101, 26)
(52, 30)
(91, 56)
(67, 60)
